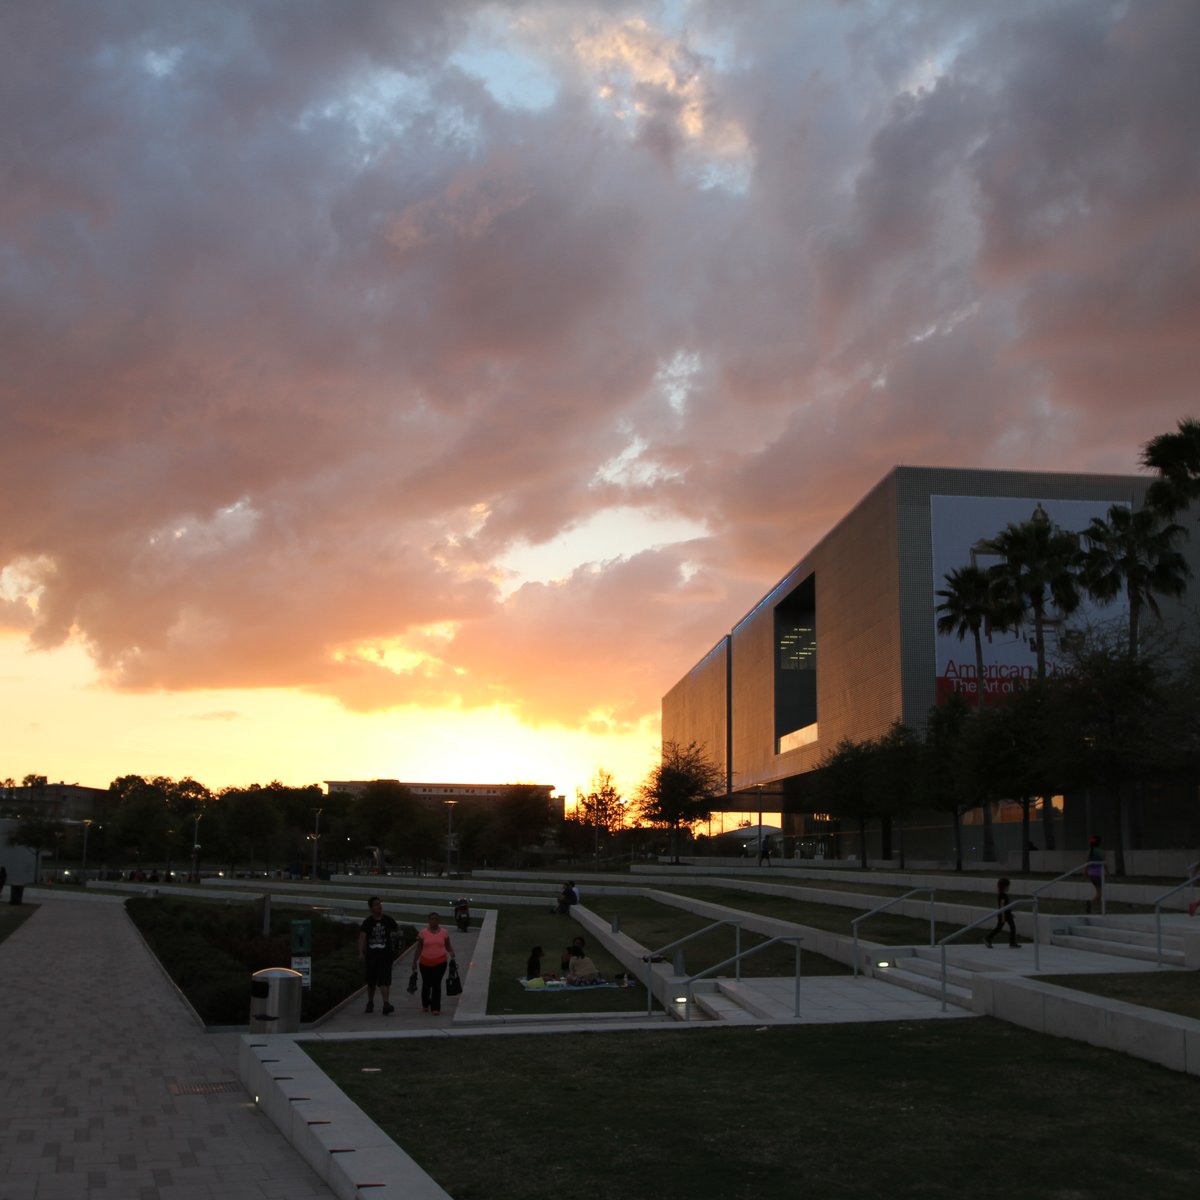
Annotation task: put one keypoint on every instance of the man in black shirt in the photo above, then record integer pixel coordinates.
(377, 945)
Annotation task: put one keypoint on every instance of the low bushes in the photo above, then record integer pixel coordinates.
(211, 950)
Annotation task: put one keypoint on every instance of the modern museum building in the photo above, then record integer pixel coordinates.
(847, 643)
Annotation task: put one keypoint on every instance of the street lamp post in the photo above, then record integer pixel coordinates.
(196, 849)
(759, 786)
(316, 841)
(449, 831)
(87, 825)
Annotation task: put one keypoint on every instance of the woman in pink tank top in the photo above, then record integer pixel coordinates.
(431, 956)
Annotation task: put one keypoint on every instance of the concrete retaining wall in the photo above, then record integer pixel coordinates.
(332, 1134)
(1164, 1038)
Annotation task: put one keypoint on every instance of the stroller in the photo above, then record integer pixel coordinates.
(462, 913)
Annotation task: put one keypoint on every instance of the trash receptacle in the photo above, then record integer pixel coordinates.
(275, 995)
(16, 893)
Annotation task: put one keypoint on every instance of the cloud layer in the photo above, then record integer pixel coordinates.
(308, 319)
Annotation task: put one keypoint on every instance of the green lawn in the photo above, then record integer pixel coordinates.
(1172, 991)
(935, 1110)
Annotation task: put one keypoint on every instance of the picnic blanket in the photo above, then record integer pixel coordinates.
(561, 985)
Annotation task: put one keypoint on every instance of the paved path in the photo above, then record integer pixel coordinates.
(109, 1088)
(408, 1017)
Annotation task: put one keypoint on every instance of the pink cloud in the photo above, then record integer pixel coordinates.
(303, 329)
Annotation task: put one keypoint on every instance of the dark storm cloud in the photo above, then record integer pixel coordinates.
(302, 328)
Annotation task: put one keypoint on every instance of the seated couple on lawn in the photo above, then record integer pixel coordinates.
(577, 969)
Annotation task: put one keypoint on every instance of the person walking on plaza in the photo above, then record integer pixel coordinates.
(1003, 918)
(432, 955)
(377, 945)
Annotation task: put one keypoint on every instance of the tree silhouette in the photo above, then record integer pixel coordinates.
(1133, 551)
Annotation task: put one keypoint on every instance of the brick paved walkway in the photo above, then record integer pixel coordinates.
(108, 1088)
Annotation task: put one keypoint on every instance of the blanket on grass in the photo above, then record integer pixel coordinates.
(561, 985)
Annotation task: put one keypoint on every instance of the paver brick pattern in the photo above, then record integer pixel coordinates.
(101, 1062)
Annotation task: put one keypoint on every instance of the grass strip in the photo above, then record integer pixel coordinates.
(1171, 991)
(932, 1110)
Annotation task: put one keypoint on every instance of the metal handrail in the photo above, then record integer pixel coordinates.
(953, 937)
(1083, 866)
(1187, 883)
(884, 908)
(737, 958)
(649, 958)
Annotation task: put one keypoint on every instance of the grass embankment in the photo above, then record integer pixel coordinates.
(13, 916)
(648, 922)
(1171, 991)
(211, 949)
(935, 1110)
(788, 902)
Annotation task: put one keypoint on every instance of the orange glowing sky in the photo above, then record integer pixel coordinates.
(418, 390)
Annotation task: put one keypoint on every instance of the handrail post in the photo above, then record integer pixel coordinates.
(1037, 934)
(1103, 890)
(1158, 934)
(737, 949)
(932, 935)
(855, 951)
(943, 949)
(796, 1011)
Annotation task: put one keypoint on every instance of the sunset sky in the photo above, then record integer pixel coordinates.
(418, 388)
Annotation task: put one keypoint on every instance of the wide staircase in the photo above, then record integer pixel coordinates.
(1124, 937)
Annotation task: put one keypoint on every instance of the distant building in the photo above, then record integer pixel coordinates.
(435, 792)
(56, 801)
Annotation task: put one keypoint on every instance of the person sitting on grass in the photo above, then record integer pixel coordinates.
(583, 972)
(533, 968)
(575, 948)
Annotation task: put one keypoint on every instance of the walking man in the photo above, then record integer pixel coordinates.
(377, 946)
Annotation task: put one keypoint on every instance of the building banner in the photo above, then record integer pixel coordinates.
(959, 527)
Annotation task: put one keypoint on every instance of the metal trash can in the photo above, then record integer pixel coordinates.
(275, 995)
(16, 893)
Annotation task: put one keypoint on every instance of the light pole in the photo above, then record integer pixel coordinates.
(196, 849)
(87, 825)
(759, 786)
(449, 831)
(316, 841)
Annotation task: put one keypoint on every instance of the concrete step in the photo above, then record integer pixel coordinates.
(678, 1012)
(928, 962)
(927, 985)
(1122, 933)
(1074, 941)
(717, 1006)
(755, 1003)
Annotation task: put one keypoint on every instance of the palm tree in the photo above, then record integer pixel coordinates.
(971, 601)
(1133, 551)
(1176, 458)
(1039, 572)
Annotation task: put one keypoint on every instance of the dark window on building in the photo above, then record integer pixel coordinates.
(796, 660)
